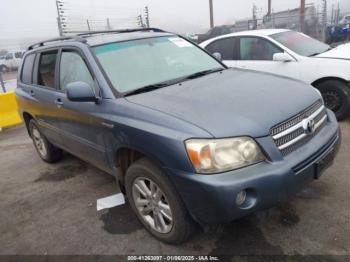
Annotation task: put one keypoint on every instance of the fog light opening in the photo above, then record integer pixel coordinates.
(246, 199)
(241, 197)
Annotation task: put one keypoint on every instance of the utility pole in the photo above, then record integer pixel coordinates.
(2, 83)
(255, 22)
(338, 15)
(211, 12)
(269, 8)
(59, 20)
(140, 21)
(108, 25)
(324, 19)
(88, 25)
(302, 15)
(147, 16)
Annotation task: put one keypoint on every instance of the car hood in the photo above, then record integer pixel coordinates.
(339, 52)
(233, 102)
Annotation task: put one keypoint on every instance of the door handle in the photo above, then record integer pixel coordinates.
(58, 102)
(32, 93)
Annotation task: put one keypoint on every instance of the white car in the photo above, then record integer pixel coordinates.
(292, 54)
(10, 61)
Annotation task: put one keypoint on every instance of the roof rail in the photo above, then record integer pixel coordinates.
(63, 38)
(88, 33)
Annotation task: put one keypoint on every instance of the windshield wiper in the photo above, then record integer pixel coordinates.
(203, 73)
(318, 53)
(172, 82)
(148, 88)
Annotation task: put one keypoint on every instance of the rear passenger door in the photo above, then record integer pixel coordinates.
(44, 94)
(227, 47)
(81, 129)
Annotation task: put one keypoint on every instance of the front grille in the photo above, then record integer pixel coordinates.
(297, 130)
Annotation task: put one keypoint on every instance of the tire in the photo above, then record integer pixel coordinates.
(181, 226)
(47, 151)
(336, 95)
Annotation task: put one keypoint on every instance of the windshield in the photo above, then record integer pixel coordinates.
(134, 64)
(300, 43)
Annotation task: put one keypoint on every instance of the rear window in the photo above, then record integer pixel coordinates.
(47, 65)
(27, 70)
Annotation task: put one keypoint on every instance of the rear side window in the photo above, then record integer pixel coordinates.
(73, 69)
(27, 70)
(47, 64)
(226, 47)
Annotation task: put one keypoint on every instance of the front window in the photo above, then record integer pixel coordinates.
(74, 69)
(135, 64)
(255, 48)
(300, 43)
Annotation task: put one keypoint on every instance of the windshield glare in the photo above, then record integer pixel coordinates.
(134, 64)
(300, 43)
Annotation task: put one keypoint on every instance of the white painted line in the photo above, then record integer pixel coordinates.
(110, 201)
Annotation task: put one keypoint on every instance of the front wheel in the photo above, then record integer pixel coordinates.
(336, 95)
(156, 203)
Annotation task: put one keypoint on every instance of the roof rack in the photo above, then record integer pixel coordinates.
(63, 38)
(80, 37)
(88, 33)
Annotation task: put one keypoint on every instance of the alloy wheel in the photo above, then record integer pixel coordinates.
(152, 205)
(332, 100)
(39, 142)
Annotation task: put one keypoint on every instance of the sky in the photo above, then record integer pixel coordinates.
(35, 19)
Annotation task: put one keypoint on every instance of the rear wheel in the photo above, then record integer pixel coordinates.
(156, 203)
(47, 151)
(336, 95)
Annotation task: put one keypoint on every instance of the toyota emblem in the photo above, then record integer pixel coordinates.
(309, 126)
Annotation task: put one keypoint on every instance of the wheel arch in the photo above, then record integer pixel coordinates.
(125, 156)
(27, 117)
(323, 79)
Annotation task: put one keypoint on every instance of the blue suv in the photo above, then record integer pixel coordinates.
(190, 141)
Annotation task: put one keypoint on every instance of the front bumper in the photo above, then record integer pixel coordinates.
(210, 199)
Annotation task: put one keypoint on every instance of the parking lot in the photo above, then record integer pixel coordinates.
(51, 209)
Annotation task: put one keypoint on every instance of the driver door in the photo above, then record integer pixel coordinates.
(80, 125)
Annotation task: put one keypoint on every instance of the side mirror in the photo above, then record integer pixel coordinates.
(80, 92)
(282, 57)
(218, 56)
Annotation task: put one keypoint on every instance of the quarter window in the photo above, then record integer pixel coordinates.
(226, 47)
(254, 48)
(27, 70)
(73, 69)
(46, 74)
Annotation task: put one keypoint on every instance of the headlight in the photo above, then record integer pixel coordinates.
(219, 155)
